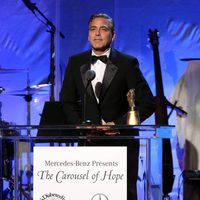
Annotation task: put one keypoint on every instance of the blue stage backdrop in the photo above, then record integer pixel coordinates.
(25, 45)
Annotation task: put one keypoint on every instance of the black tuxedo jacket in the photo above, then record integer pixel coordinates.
(122, 73)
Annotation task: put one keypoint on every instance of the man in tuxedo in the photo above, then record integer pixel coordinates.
(106, 97)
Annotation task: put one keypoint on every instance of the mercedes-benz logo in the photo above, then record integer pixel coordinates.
(99, 196)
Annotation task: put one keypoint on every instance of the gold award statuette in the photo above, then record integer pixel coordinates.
(133, 114)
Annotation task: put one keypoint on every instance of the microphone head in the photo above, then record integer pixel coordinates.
(90, 75)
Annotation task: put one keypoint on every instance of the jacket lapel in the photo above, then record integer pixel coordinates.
(110, 72)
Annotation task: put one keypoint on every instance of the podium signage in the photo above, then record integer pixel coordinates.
(74, 173)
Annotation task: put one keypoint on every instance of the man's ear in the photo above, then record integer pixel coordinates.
(113, 36)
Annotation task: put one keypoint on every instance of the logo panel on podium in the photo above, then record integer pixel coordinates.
(87, 173)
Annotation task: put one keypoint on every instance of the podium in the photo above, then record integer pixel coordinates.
(23, 138)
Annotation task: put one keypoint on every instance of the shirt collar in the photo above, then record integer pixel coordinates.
(107, 53)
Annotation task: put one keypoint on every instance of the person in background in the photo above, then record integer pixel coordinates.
(106, 97)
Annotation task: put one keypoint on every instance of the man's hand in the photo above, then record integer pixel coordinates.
(109, 130)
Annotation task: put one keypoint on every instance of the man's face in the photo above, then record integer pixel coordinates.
(100, 35)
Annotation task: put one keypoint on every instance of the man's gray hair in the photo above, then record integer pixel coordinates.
(105, 16)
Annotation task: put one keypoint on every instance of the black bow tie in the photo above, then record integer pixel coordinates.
(103, 59)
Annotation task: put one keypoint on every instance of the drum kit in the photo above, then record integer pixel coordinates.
(27, 92)
(7, 147)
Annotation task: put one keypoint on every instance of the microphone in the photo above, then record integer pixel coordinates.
(97, 90)
(89, 76)
(30, 6)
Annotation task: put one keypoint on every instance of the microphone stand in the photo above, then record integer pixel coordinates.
(51, 30)
(84, 105)
(89, 76)
(1, 90)
(173, 107)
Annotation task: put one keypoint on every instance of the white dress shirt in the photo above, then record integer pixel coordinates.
(99, 68)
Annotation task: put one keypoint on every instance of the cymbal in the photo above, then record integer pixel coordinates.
(28, 91)
(11, 71)
(189, 59)
(30, 94)
(41, 85)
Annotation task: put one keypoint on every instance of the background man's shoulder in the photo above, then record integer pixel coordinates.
(82, 55)
(125, 55)
(121, 57)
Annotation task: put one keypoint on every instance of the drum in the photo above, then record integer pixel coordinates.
(7, 148)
